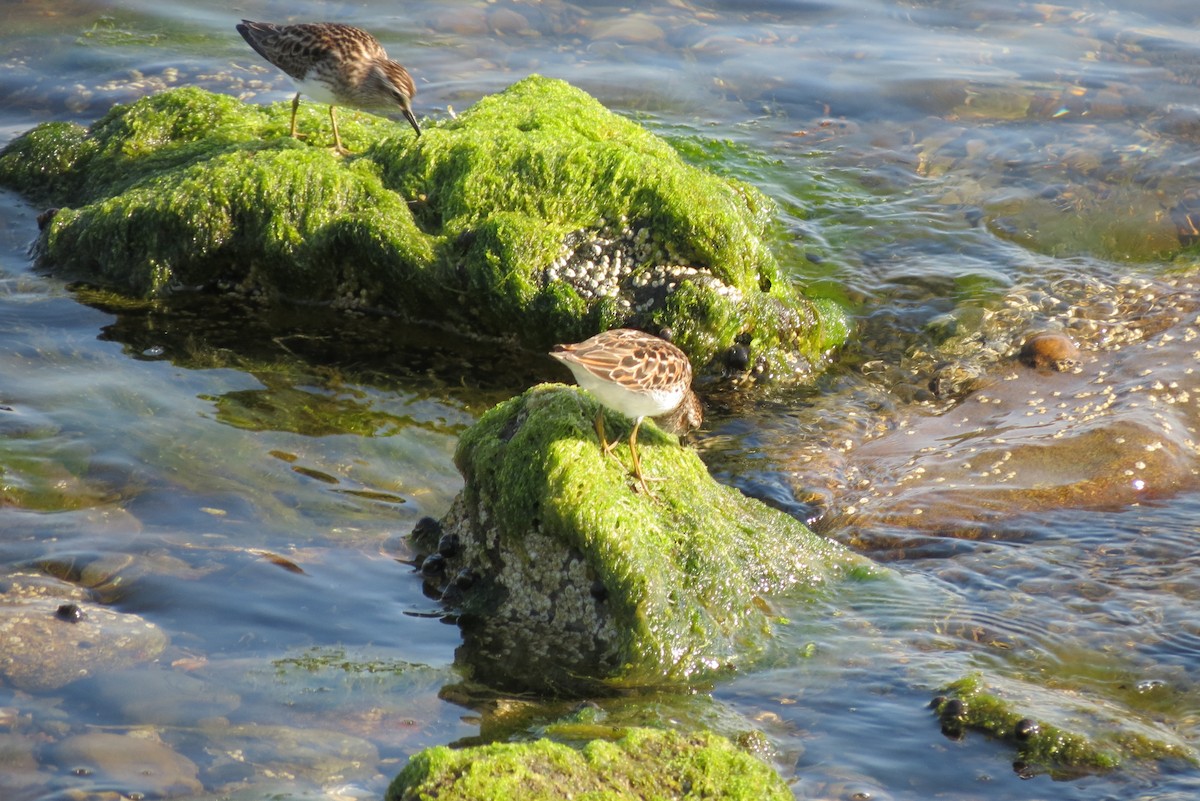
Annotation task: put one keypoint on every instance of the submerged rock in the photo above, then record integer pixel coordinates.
(1077, 731)
(44, 470)
(158, 697)
(566, 577)
(322, 756)
(1116, 429)
(643, 763)
(136, 767)
(1062, 190)
(1103, 418)
(537, 213)
(41, 648)
(1049, 350)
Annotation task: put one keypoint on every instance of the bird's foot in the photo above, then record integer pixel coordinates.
(644, 481)
(606, 447)
(609, 449)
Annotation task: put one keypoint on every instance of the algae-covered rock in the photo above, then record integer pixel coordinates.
(537, 213)
(1055, 729)
(645, 763)
(567, 577)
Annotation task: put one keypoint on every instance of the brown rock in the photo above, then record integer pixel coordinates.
(1049, 351)
(40, 650)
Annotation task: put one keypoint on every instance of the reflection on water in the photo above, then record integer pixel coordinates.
(962, 174)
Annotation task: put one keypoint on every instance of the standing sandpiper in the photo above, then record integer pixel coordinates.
(638, 375)
(336, 64)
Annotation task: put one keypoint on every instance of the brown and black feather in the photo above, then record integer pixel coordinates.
(295, 48)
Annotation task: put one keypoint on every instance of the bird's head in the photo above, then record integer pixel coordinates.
(399, 84)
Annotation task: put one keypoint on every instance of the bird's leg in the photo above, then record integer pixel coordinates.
(295, 108)
(637, 462)
(605, 445)
(337, 139)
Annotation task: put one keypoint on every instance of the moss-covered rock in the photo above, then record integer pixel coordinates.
(643, 764)
(1074, 732)
(567, 577)
(537, 213)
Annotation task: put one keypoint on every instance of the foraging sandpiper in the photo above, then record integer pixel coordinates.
(636, 374)
(336, 64)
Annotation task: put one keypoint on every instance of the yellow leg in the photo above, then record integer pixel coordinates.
(609, 447)
(337, 139)
(605, 445)
(637, 462)
(295, 107)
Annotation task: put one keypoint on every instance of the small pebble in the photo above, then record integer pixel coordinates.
(1026, 728)
(1051, 351)
(70, 613)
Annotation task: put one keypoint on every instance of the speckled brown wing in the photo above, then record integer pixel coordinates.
(295, 48)
(631, 358)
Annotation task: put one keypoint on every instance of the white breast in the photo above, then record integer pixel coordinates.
(315, 90)
(628, 402)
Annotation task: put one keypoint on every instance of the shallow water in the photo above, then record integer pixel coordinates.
(240, 478)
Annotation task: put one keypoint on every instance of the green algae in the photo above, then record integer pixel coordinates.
(583, 581)
(467, 226)
(1123, 222)
(272, 218)
(47, 163)
(44, 472)
(284, 407)
(39, 484)
(554, 154)
(335, 659)
(642, 764)
(1072, 732)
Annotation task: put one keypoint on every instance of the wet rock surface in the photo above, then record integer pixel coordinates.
(47, 642)
(254, 751)
(1076, 731)
(1026, 441)
(564, 577)
(129, 765)
(1049, 351)
(537, 214)
(1027, 421)
(160, 697)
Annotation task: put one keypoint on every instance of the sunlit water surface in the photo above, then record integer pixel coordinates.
(256, 513)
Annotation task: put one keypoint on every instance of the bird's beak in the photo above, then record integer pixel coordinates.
(412, 118)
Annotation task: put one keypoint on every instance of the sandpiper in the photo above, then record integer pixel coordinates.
(638, 375)
(336, 64)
